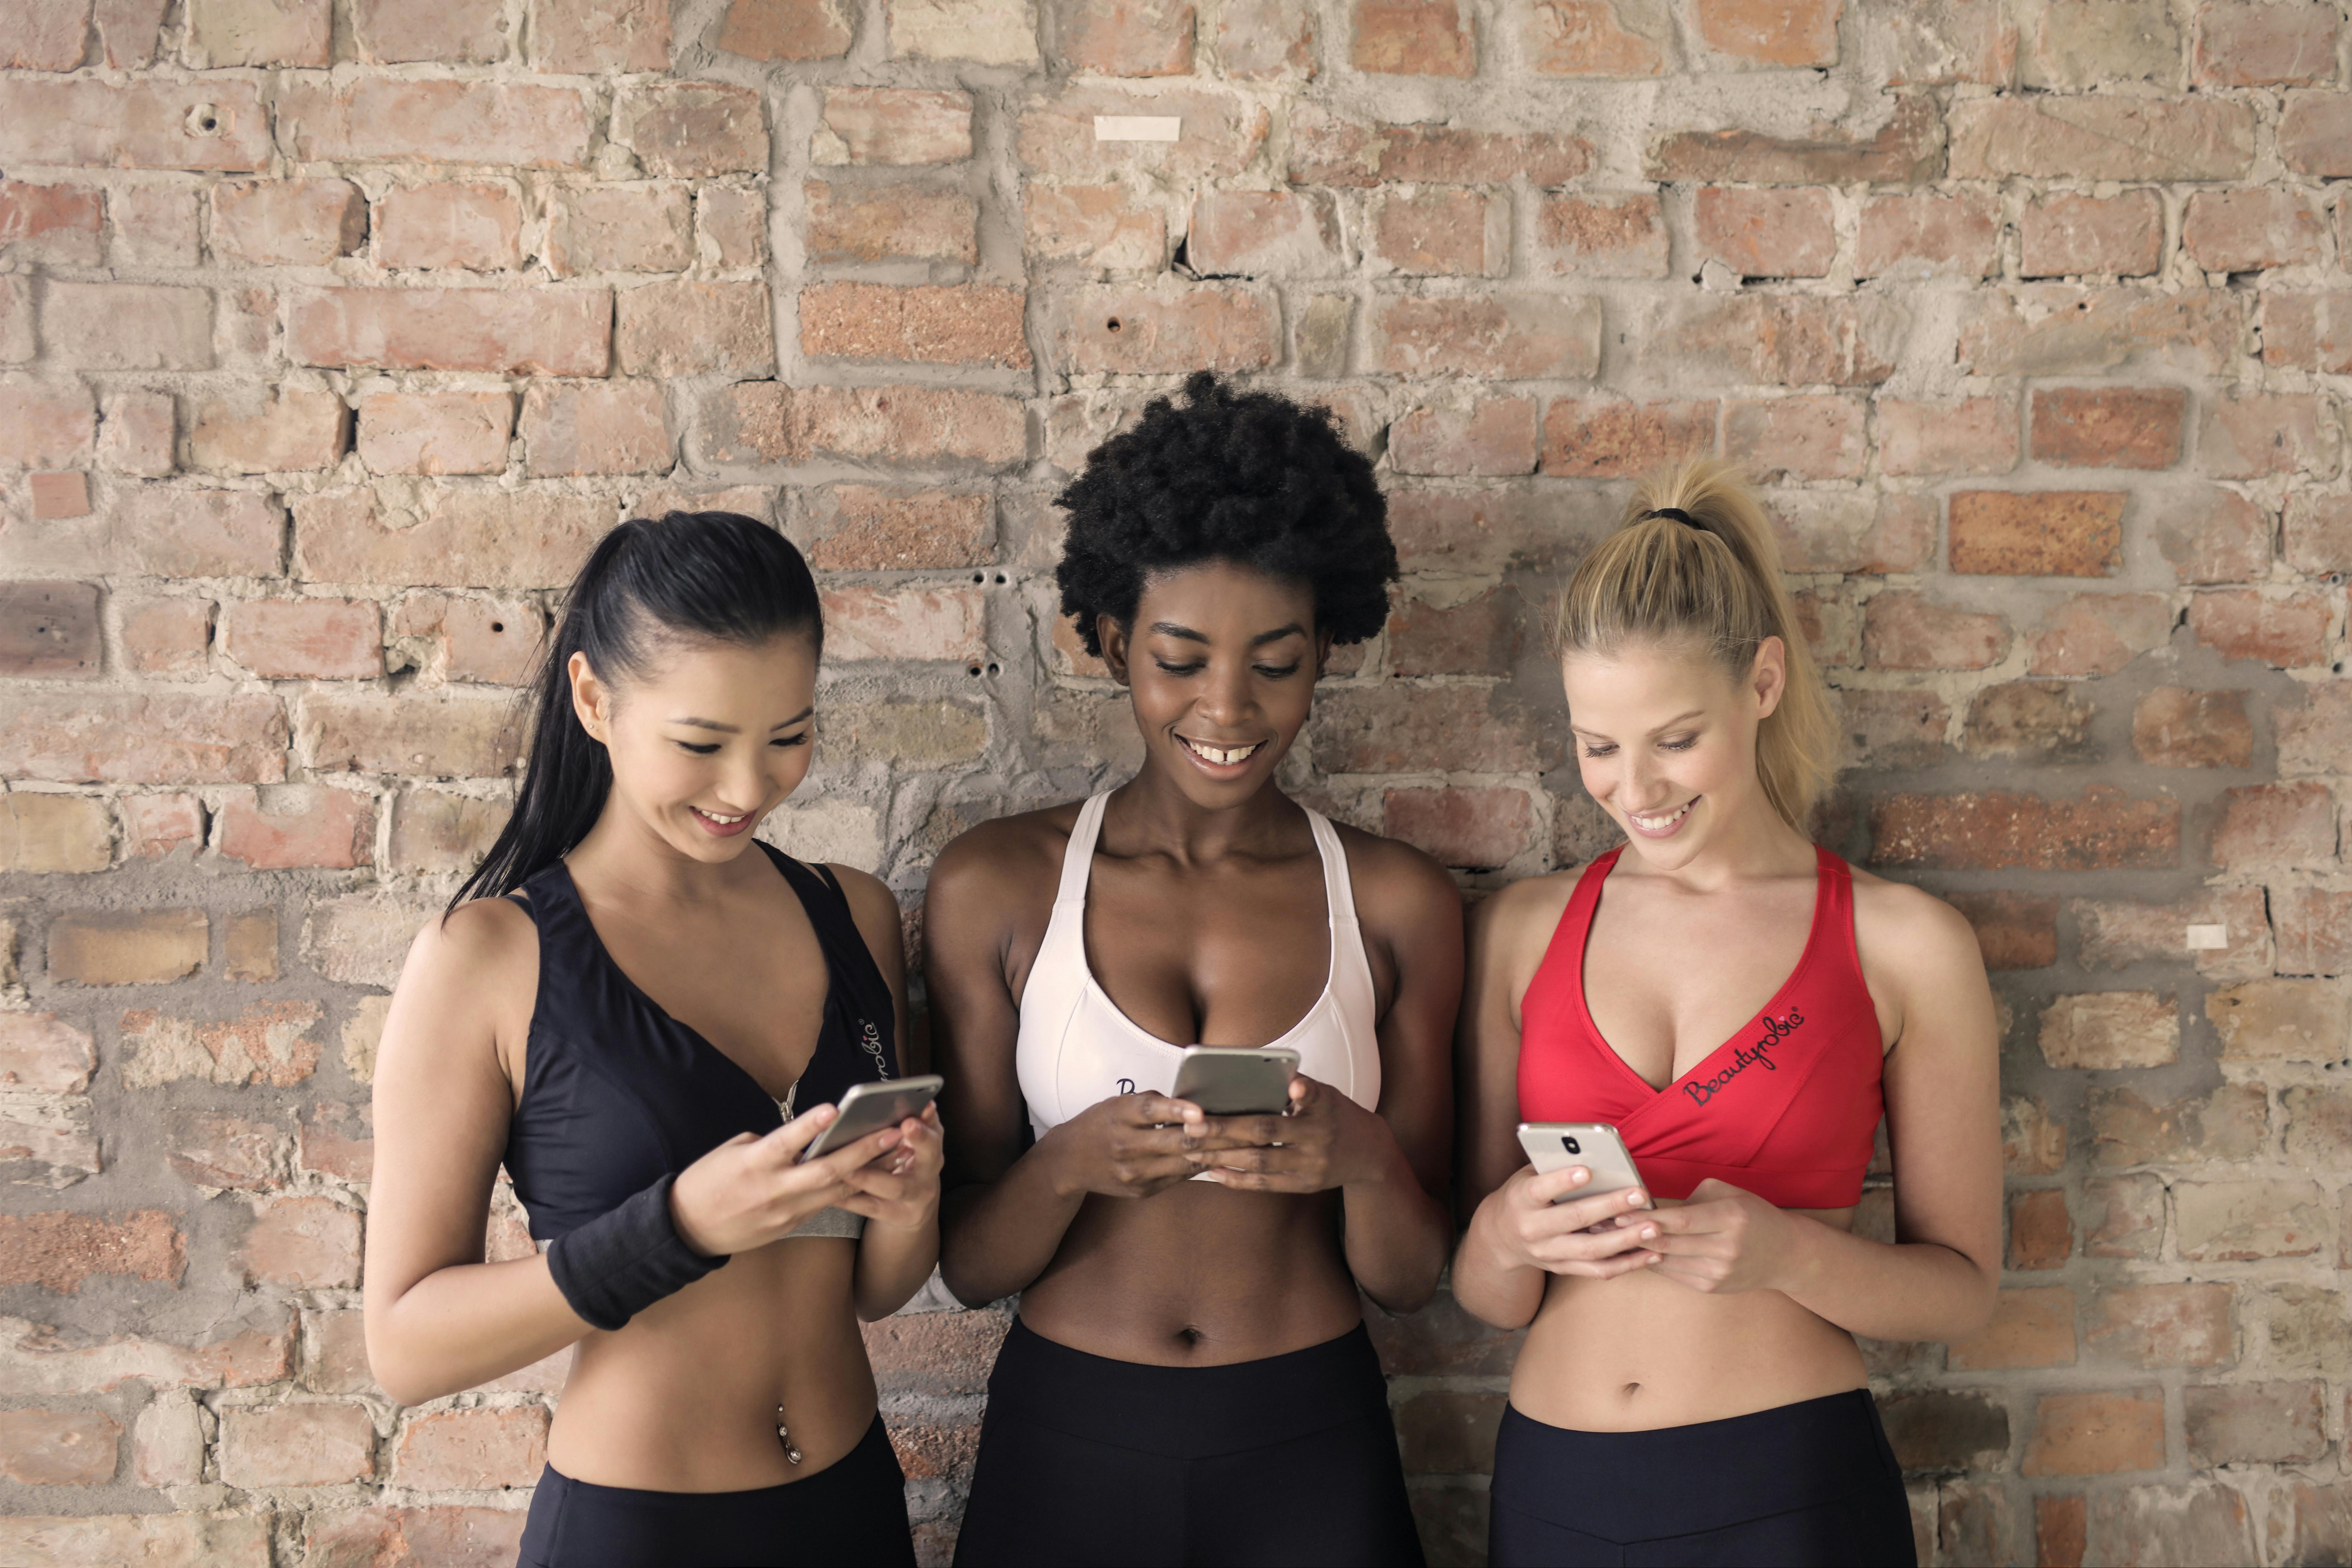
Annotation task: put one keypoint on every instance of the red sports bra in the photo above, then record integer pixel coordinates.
(1787, 1109)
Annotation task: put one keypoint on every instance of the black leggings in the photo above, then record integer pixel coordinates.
(1810, 1483)
(1086, 1460)
(852, 1511)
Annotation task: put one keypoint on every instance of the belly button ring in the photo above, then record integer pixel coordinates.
(791, 1450)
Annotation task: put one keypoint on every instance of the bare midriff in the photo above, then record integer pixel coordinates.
(1197, 1276)
(684, 1397)
(1640, 1352)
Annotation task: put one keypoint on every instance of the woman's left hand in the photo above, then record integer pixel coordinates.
(1719, 1240)
(902, 1188)
(1326, 1140)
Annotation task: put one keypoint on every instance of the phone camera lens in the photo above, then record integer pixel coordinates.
(1571, 1146)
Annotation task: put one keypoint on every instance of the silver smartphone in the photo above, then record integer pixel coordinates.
(1236, 1080)
(1595, 1145)
(871, 1107)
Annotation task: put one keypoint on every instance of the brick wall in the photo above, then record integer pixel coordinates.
(335, 330)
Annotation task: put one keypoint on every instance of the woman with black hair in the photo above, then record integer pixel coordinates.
(627, 1017)
(1190, 1380)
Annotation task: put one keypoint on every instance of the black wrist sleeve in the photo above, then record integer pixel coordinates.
(618, 1264)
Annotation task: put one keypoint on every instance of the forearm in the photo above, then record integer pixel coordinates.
(893, 1261)
(1395, 1235)
(1888, 1290)
(463, 1326)
(1489, 1286)
(996, 1239)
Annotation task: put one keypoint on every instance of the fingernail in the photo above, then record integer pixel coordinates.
(1649, 1233)
(1579, 1176)
(1633, 1198)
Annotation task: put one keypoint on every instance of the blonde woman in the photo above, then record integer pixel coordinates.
(1742, 1006)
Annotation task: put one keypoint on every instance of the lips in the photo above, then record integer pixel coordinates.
(1216, 756)
(719, 824)
(1662, 824)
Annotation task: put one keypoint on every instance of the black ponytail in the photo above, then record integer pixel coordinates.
(716, 576)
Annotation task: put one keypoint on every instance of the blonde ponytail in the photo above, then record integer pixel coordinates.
(1715, 580)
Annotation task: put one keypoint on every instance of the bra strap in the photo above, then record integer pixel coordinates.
(1078, 857)
(1338, 888)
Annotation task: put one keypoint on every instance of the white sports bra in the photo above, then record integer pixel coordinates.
(1077, 1048)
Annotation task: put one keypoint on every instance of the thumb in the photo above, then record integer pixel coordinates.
(800, 1132)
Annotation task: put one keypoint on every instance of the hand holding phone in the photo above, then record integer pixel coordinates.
(1595, 1145)
(1236, 1080)
(870, 1107)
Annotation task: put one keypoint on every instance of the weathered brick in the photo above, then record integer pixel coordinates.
(596, 427)
(2246, 231)
(548, 331)
(51, 37)
(629, 34)
(1258, 39)
(291, 429)
(2211, 534)
(1771, 32)
(447, 736)
(439, 830)
(2318, 1127)
(991, 32)
(2314, 930)
(690, 127)
(2032, 1142)
(267, 1042)
(2317, 535)
(1595, 39)
(2097, 138)
(227, 1153)
(489, 640)
(2095, 1434)
(155, 825)
(474, 224)
(471, 1449)
(287, 223)
(208, 124)
(1597, 235)
(1162, 330)
(296, 1444)
(1923, 235)
(2175, 727)
(1151, 37)
(98, 948)
(306, 638)
(49, 631)
(2033, 1326)
(2014, 930)
(467, 539)
(384, 119)
(249, 946)
(2108, 427)
(1502, 336)
(2282, 1020)
(303, 1242)
(59, 223)
(2063, 234)
(2255, 1423)
(2064, 533)
(2041, 1232)
(58, 1448)
(154, 226)
(2285, 629)
(906, 624)
(1327, 150)
(1806, 436)
(1907, 149)
(2230, 1123)
(127, 326)
(2275, 828)
(1765, 233)
(2222, 1222)
(460, 32)
(2098, 634)
(853, 223)
(762, 422)
(2130, 1216)
(1439, 231)
(1785, 339)
(59, 1251)
(1936, 1429)
(137, 434)
(2266, 45)
(2058, 329)
(2110, 1029)
(436, 432)
(966, 324)
(395, 1536)
(298, 826)
(53, 833)
(619, 229)
(41, 1051)
(90, 738)
(1493, 436)
(1099, 226)
(1397, 729)
(1903, 631)
(1445, 1432)
(2042, 719)
(733, 222)
(1997, 830)
(2313, 729)
(782, 30)
(2250, 436)
(1412, 37)
(1614, 438)
(2315, 134)
(892, 125)
(229, 33)
(2115, 933)
(691, 326)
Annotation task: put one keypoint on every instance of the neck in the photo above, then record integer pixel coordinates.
(1153, 815)
(1751, 844)
(623, 852)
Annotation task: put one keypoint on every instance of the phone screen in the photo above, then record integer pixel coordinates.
(871, 1107)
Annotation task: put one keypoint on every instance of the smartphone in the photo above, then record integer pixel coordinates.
(1236, 1080)
(1595, 1145)
(871, 1107)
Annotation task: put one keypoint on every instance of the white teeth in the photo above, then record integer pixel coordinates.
(723, 821)
(1653, 824)
(1224, 756)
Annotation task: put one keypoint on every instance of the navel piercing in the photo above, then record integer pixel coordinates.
(791, 1450)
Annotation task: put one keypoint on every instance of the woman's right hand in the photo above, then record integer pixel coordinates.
(1526, 1229)
(750, 1190)
(1130, 1146)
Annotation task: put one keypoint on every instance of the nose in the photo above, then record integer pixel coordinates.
(742, 782)
(1641, 785)
(1226, 699)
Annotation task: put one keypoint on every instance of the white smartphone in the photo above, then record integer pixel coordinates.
(1595, 1145)
(870, 1107)
(1236, 1080)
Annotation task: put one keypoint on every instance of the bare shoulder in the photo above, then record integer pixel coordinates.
(872, 904)
(1007, 852)
(1527, 908)
(483, 941)
(1909, 925)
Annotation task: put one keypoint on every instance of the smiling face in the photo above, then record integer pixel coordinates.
(1221, 663)
(707, 743)
(1665, 741)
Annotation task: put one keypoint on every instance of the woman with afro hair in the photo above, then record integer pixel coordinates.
(1190, 1379)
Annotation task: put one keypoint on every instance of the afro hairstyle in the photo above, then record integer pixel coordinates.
(1243, 477)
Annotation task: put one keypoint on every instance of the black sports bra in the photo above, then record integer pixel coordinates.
(617, 1094)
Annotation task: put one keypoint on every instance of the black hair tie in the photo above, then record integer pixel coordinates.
(1678, 514)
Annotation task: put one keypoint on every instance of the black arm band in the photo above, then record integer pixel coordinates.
(618, 1264)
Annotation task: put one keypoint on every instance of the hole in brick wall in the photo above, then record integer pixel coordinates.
(1112, 325)
(497, 626)
(991, 670)
(971, 669)
(1000, 576)
(980, 578)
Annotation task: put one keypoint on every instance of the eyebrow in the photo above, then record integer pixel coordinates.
(1595, 734)
(734, 730)
(1169, 628)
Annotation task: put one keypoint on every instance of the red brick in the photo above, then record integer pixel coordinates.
(627, 34)
(2041, 1233)
(490, 640)
(300, 825)
(2029, 1328)
(1907, 149)
(2048, 533)
(40, 1051)
(1997, 831)
(550, 331)
(1971, 435)
(208, 124)
(690, 127)
(2131, 1216)
(155, 825)
(34, 1363)
(2235, 1222)
(324, 639)
(463, 32)
(1591, 38)
(476, 225)
(2275, 828)
(2311, 331)
(2283, 630)
(2115, 933)
(2063, 234)
(1259, 39)
(2314, 729)
(438, 830)
(2212, 535)
(1784, 339)
(2315, 134)
(1490, 530)
(2257, 1423)
(621, 228)
(127, 326)
(1613, 438)
(58, 1448)
(2110, 1029)
(782, 30)
(1162, 331)
(467, 539)
(413, 1537)
(305, 1243)
(1772, 32)
(137, 434)
(761, 421)
(1100, 226)
(1505, 336)
(892, 125)
(2311, 1521)
(266, 1043)
(2230, 1124)
(733, 220)
(1412, 37)
(51, 36)
(1436, 231)
(471, 1449)
(2314, 930)
(1480, 636)
(436, 432)
(859, 527)
(292, 429)
(2108, 427)
(58, 1251)
(1903, 631)
(1325, 150)
(382, 118)
(1396, 728)
(1133, 38)
(2250, 436)
(2098, 634)
(1923, 236)
(51, 222)
(935, 1352)
(848, 223)
(2282, 1020)
(596, 427)
(691, 326)
(1596, 235)
(229, 1153)
(2319, 533)
(2175, 727)
(287, 223)
(2036, 720)
(2054, 329)
(1829, 624)
(415, 736)
(2013, 930)
(154, 226)
(972, 324)
(86, 738)
(1799, 438)
(1765, 233)
(2095, 1434)
(1494, 436)
(2097, 138)
(291, 33)
(906, 624)
(2266, 45)
(2245, 231)
(296, 1444)
(2032, 1142)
